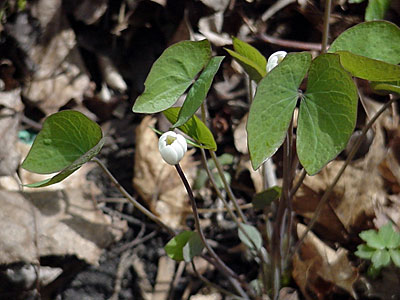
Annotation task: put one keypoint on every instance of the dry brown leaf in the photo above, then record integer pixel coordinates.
(165, 275)
(353, 199)
(58, 223)
(157, 182)
(61, 75)
(240, 136)
(9, 125)
(317, 268)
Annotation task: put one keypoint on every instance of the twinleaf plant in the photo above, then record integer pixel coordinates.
(382, 247)
(327, 112)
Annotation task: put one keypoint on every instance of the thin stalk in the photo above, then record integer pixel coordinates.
(325, 33)
(226, 204)
(227, 186)
(135, 203)
(328, 192)
(221, 173)
(213, 285)
(232, 277)
(299, 182)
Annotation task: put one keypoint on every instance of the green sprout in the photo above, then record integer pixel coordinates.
(381, 248)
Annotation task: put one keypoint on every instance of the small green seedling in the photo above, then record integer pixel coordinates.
(381, 248)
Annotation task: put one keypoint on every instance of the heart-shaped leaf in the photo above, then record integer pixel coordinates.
(184, 246)
(194, 128)
(67, 140)
(171, 74)
(198, 92)
(252, 61)
(368, 68)
(377, 40)
(265, 198)
(327, 114)
(273, 106)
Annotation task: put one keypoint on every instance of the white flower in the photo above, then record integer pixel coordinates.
(172, 147)
(275, 59)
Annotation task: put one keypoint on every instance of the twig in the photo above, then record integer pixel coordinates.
(327, 193)
(232, 277)
(325, 33)
(135, 203)
(273, 9)
(288, 43)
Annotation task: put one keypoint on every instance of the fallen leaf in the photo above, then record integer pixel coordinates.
(157, 182)
(317, 268)
(10, 115)
(60, 75)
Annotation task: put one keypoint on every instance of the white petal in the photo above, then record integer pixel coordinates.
(169, 155)
(275, 59)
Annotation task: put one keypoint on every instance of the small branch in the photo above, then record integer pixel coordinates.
(232, 277)
(135, 203)
(328, 192)
(287, 43)
(325, 33)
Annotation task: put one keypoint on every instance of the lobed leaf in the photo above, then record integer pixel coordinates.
(395, 255)
(372, 238)
(364, 251)
(381, 258)
(389, 237)
(171, 74)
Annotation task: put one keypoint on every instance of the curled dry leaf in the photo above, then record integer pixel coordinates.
(157, 182)
(317, 268)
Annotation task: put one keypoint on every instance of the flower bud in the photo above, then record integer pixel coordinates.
(275, 59)
(172, 147)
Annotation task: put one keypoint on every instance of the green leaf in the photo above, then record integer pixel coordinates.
(265, 198)
(254, 235)
(328, 113)
(377, 40)
(367, 68)
(193, 247)
(372, 238)
(71, 168)
(184, 246)
(395, 255)
(252, 61)
(389, 237)
(67, 140)
(376, 9)
(198, 92)
(381, 258)
(386, 86)
(364, 251)
(356, 1)
(171, 74)
(273, 106)
(194, 128)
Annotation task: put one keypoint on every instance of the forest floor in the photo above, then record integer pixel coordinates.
(80, 239)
